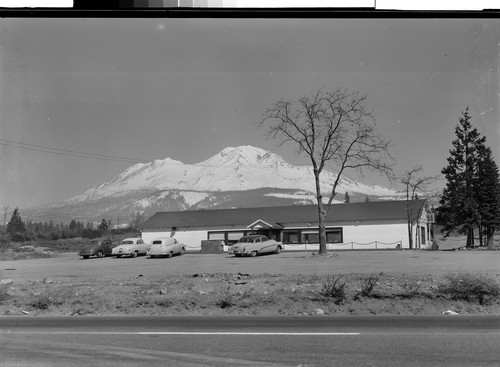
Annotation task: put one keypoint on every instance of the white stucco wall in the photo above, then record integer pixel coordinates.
(376, 236)
(365, 237)
(355, 237)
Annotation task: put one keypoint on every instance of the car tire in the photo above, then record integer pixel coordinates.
(134, 254)
(278, 250)
(183, 251)
(253, 253)
(169, 255)
(100, 254)
(86, 257)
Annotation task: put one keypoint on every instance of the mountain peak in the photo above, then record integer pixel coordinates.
(239, 168)
(246, 155)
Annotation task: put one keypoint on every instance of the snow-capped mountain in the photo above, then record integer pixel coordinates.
(235, 177)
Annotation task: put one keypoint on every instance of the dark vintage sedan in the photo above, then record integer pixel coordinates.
(98, 248)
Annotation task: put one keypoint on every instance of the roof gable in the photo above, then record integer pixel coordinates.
(259, 224)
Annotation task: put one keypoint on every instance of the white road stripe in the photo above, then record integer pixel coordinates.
(182, 333)
(238, 333)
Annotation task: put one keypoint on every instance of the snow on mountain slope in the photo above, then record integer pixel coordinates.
(233, 169)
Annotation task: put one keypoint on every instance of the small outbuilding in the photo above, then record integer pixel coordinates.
(353, 226)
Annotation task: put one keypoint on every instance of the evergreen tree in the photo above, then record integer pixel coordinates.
(103, 226)
(73, 226)
(488, 195)
(459, 209)
(16, 224)
(347, 199)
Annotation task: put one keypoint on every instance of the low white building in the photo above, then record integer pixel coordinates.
(354, 226)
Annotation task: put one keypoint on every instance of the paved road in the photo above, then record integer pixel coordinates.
(255, 341)
(70, 265)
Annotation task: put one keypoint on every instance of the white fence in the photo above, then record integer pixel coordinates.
(375, 245)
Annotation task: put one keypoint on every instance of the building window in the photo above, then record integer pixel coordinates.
(291, 237)
(334, 235)
(217, 236)
(233, 237)
(310, 237)
(229, 238)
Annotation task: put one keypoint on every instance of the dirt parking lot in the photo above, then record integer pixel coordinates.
(70, 265)
(291, 283)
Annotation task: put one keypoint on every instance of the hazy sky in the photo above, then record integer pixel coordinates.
(147, 89)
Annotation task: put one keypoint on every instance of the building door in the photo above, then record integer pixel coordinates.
(422, 235)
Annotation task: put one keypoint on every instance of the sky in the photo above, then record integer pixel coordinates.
(136, 90)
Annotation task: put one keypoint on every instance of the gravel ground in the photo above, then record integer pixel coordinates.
(71, 266)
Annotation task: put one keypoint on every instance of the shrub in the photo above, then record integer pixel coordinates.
(367, 285)
(17, 237)
(41, 302)
(411, 287)
(469, 287)
(335, 289)
(3, 294)
(4, 242)
(226, 301)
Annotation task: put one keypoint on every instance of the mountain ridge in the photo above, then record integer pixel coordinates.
(219, 181)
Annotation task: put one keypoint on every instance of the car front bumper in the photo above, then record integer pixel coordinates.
(122, 253)
(238, 251)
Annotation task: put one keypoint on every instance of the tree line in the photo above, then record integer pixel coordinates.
(20, 231)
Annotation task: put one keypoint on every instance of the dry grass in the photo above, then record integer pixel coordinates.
(241, 294)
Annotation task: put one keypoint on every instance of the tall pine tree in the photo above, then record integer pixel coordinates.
(16, 224)
(459, 209)
(487, 195)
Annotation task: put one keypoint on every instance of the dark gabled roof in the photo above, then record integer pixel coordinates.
(283, 215)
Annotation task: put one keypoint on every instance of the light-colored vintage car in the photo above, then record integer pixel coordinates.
(166, 246)
(132, 247)
(253, 245)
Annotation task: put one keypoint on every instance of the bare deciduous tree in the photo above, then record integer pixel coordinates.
(333, 128)
(414, 184)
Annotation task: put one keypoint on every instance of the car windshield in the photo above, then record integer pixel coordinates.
(127, 242)
(247, 239)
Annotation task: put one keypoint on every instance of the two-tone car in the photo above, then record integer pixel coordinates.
(254, 245)
(166, 247)
(98, 248)
(131, 247)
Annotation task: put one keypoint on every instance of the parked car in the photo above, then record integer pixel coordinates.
(131, 247)
(99, 248)
(166, 246)
(253, 245)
